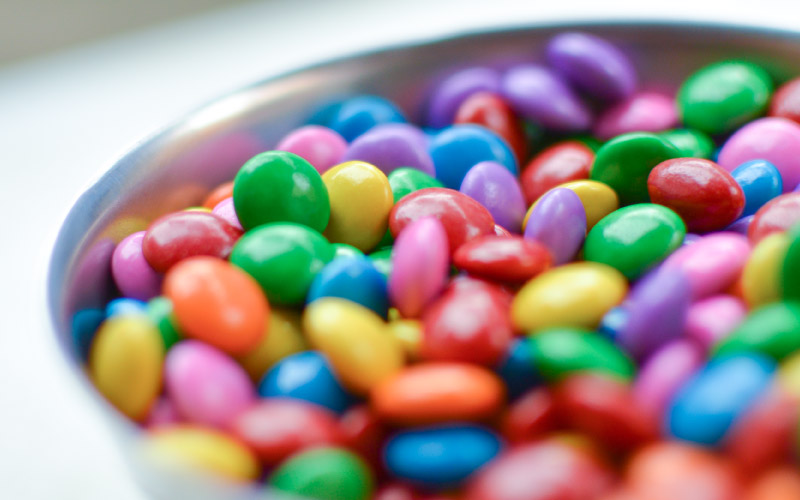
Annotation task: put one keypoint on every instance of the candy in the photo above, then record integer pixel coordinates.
(497, 189)
(786, 101)
(221, 192)
(642, 112)
(779, 214)
(560, 163)
(558, 221)
(217, 303)
(391, 146)
(665, 371)
(491, 111)
(791, 267)
(625, 162)
(306, 376)
(327, 473)
(405, 180)
(517, 368)
(689, 142)
(558, 353)
(226, 211)
(771, 330)
(455, 89)
(724, 95)
(458, 148)
(319, 146)
(712, 319)
(530, 417)
(435, 392)
(132, 274)
(503, 258)
(282, 337)
(357, 115)
(760, 181)
(354, 279)
(440, 456)
(598, 200)
(160, 312)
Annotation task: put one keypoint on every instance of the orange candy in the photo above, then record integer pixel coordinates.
(219, 193)
(438, 392)
(776, 484)
(217, 303)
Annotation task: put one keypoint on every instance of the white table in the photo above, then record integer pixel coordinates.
(65, 117)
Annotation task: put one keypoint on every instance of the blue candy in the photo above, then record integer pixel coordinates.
(441, 456)
(613, 323)
(355, 279)
(760, 181)
(125, 306)
(517, 369)
(84, 325)
(307, 376)
(355, 116)
(712, 400)
(458, 148)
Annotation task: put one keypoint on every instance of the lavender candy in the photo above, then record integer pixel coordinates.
(558, 221)
(392, 146)
(741, 226)
(540, 95)
(451, 92)
(497, 189)
(593, 65)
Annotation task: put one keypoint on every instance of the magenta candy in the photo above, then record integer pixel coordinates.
(558, 221)
(206, 385)
(712, 264)
(452, 91)
(665, 372)
(420, 266)
(497, 189)
(642, 112)
(711, 320)
(657, 308)
(227, 211)
(392, 146)
(593, 65)
(320, 146)
(540, 95)
(776, 140)
(134, 277)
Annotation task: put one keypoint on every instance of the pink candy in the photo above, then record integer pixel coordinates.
(711, 320)
(321, 146)
(206, 386)
(642, 112)
(419, 266)
(132, 274)
(711, 264)
(665, 372)
(226, 210)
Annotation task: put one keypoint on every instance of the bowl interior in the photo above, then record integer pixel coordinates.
(177, 167)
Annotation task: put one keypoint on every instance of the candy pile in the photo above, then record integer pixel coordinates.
(499, 306)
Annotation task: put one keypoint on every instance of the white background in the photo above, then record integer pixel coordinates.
(65, 117)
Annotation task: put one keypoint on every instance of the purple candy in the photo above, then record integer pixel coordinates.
(657, 308)
(392, 146)
(449, 95)
(132, 274)
(664, 373)
(497, 189)
(538, 94)
(740, 226)
(558, 221)
(227, 211)
(642, 112)
(593, 65)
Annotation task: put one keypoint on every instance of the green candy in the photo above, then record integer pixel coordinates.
(773, 330)
(625, 162)
(560, 352)
(590, 142)
(382, 259)
(689, 142)
(278, 186)
(790, 273)
(634, 239)
(284, 258)
(722, 96)
(159, 310)
(324, 474)
(345, 250)
(406, 180)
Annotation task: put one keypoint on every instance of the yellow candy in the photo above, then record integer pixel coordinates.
(125, 363)
(206, 449)
(356, 341)
(361, 200)
(598, 200)
(284, 337)
(409, 333)
(789, 375)
(574, 295)
(761, 275)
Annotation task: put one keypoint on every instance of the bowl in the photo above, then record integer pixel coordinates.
(176, 167)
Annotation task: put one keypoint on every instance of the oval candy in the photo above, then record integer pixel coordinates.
(320, 146)
(503, 258)
(560, 163)
(558, 221)
(354, 279)
(760, 181)
(497, 189)
(458, 148)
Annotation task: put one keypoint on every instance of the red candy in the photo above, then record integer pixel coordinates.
(179, 235)
(509, 258)
(560, 163)
(463, 218)
(491, 111)
(786, 101)
(277, 428)
(778, 215)
(363, 432)
(530, 417)
(542, 471)
(467, 323)
(704, 194)
(605, 409)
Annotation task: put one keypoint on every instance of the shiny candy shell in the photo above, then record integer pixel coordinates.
(664, 373)
(571, 295)
(132, 274)
(329, 473)
(283, 337)
(778, 215)
(790, 271)
(356, 115)
(448, 96)
(491, 111)
(711, 319)
(598, 200)
(786, 101)
(503, 258)
(320, 146)
(641, 112)
(458, 148)
(392, 146)
(772, 330)
(497, 189)
(760, 181)
(406, 180)
(181, 235)
(558, 221)
(355, 279)
(558, 353)
(217, 303)
(562, 162)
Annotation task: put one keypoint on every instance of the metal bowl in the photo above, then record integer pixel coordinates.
(178, 166)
